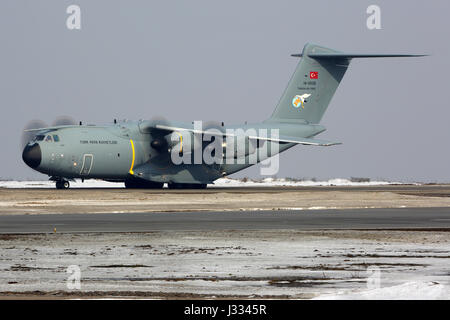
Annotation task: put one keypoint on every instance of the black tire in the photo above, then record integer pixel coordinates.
(142, 184)
(186, 185)
(64, 184)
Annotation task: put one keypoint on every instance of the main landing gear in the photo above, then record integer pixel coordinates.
(186, 185)
(135, 183)
(142, 184)
(62, 184)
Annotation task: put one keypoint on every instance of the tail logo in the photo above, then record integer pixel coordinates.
(299, 100)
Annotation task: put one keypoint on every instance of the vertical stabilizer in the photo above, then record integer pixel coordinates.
(315, 81)
(312, 86)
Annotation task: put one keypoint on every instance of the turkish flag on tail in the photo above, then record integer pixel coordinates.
(314, 75)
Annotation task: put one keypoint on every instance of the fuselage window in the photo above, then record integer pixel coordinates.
(55, 138)
(49, 138)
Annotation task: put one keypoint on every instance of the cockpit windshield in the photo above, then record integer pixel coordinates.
(39, 137)
(47, 138)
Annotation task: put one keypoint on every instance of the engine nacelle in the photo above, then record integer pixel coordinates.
(239, 147)
(232, 147)
(184, 141)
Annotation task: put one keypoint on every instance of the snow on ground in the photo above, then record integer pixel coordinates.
(267, 182)
(259, 263)
(410, 290)
(51, 184)
(223, 182)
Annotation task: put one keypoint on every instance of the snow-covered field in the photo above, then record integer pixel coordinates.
(223, 182)
(234, 264)
(414, 290)
(267, 182)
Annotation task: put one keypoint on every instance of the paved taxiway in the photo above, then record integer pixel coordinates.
(390, 218)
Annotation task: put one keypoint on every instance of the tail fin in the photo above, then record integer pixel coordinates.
(314, 83)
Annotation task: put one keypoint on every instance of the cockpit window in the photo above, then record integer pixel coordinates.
(39, 137)
(55, 138)
(48, 138)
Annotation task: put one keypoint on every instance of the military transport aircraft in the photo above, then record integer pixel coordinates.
(140, 153)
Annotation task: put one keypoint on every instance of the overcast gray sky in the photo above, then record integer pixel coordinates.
(230, 61)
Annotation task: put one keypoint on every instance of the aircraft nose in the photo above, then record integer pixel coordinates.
(32, 155)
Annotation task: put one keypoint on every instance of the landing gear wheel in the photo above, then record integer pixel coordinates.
(62, 184)
(186, 185)
(142, 184)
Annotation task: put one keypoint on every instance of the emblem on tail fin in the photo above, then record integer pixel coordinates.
(299, 100)
(314, 75)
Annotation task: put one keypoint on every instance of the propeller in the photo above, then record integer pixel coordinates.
(159, 143)
(64, 121)
(217, 125)
(213, 126)
(27, 136)
(159, 120)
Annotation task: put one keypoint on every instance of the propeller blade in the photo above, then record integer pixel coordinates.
(159, 143)
(27, 136)
(64, 121)
(213, 125)
(159, 120)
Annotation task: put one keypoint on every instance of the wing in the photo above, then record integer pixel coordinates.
(280, 139)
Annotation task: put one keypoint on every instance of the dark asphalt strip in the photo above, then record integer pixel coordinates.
(404, 218)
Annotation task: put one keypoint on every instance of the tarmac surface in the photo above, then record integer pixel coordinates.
(390, 218)
(41, 201)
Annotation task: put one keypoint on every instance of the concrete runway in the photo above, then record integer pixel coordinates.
(424, 189)
(88, 201)
(389, 218)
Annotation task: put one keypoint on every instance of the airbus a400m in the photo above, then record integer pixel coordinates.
(140, 153)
